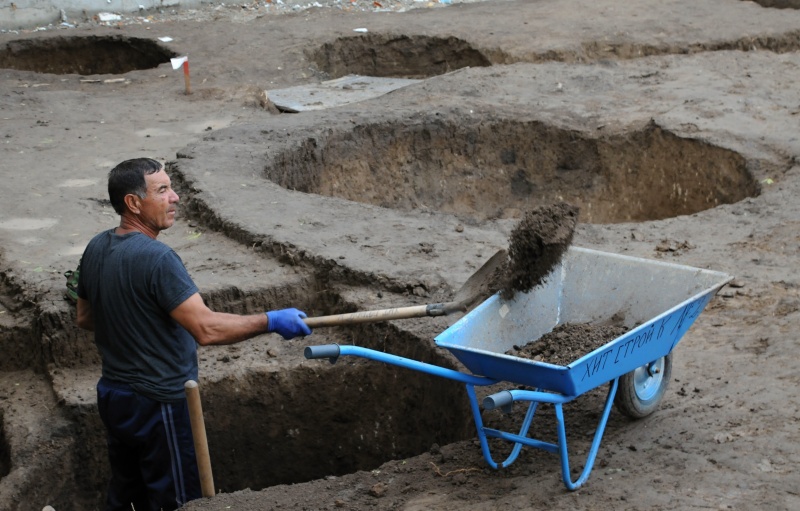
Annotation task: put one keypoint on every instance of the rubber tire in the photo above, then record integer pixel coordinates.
(638, 400)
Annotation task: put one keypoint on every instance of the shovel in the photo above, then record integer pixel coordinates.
(480, 285)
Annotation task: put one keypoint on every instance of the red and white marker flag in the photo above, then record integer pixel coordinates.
(179, 62)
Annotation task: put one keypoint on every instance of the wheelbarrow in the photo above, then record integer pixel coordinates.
(656, 301)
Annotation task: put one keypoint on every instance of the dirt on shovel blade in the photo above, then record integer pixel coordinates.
(536, 246)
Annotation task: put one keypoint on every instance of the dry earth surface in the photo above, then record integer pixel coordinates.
(672, 124)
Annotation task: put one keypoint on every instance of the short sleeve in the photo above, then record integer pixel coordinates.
(170, 281)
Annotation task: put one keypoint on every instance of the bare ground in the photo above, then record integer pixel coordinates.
(671, 124)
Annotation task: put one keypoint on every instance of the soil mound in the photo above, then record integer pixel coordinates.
(568, 342)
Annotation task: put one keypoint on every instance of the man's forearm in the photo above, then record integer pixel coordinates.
(211, 328)
(223, 328)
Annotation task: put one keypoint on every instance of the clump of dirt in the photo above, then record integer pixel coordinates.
(568, 342)
(536, 246)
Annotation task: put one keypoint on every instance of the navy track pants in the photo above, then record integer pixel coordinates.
(150, 448)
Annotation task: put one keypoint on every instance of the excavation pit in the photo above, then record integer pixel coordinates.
(272, 417)
(396, 56)
(90, 55)
(497, 169)
(318, 419)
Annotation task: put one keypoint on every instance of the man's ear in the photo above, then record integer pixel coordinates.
(132, 202)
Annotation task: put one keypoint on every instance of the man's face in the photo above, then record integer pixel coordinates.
(159, 207)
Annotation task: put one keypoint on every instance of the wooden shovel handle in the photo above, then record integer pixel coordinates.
(200, 440)
(375, 316)
(479, 286)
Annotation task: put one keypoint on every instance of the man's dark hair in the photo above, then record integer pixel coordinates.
(128, 177)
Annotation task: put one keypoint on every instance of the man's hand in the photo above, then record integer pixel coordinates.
(288, 323)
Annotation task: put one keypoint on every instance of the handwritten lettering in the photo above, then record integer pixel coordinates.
(661, 325)
(596, 364)
(670, 327)
(683, 316)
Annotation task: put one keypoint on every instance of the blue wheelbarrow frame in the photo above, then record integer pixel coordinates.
(655, 300)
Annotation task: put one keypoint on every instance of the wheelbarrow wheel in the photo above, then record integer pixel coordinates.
(640, 391)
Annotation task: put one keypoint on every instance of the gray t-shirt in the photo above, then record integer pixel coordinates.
(132, 283)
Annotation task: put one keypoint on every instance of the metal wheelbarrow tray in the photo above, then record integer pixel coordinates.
(656, 301)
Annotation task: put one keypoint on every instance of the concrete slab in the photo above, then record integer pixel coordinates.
(332, 93)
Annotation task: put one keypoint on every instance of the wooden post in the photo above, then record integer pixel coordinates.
(186, 79)
(199, 435)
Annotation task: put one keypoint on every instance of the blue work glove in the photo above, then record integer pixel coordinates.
(287, 322)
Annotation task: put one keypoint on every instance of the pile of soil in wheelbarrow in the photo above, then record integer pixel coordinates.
(568, 342)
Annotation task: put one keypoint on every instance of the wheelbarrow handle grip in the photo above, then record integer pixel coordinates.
(330, 351)
(502, 399)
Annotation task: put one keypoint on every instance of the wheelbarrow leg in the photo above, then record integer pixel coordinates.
(598, 436)
(508, 397)
(518, 440)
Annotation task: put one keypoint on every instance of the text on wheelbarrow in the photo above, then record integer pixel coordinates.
(642, 345)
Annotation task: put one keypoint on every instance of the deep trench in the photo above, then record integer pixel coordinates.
(296, 423)
(479, 170)
(308, 421)
(319, 419)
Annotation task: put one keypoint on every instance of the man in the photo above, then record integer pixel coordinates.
(148, 317)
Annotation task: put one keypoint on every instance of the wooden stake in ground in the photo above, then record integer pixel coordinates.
(536, 246)
(187, 82)
(200, 440)
(183, 63)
